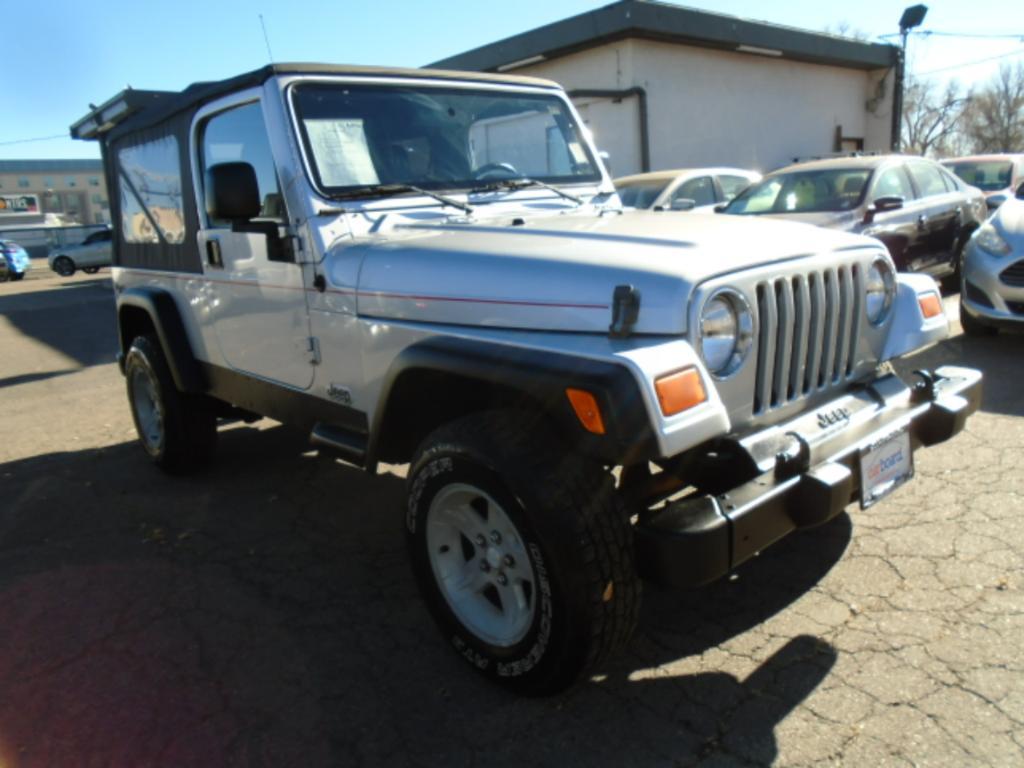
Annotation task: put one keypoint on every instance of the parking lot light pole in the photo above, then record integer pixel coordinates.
(912, 17)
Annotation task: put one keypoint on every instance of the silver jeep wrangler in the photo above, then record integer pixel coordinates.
(434, 268)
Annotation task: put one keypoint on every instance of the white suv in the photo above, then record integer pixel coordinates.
(89, 255)
(434, 268)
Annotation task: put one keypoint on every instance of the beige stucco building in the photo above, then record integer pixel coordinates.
(74, 190)
(661, 86)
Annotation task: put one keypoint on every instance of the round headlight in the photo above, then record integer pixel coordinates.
(879, 291)
(726, 330)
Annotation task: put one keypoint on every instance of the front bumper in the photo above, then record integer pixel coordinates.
(806, 474)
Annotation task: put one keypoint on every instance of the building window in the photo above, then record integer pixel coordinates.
(94, 181)
(97, 198)
(23, 182)
(48, 183)
(72, 181)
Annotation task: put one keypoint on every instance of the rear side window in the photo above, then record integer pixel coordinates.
(732, 186)
(150, 185)
(928, 179)
(893, 182)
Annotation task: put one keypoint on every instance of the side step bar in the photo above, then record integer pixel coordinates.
(348, 446)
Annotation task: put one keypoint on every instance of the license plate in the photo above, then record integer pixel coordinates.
(885, 465)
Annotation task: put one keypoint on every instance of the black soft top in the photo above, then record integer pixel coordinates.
(133, 110)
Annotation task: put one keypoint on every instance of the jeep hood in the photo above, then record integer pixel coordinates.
(558, 273)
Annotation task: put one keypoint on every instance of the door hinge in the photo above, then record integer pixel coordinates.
(313, 347)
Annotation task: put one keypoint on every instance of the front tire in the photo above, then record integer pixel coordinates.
(64, 266)
(177, 430)
(523, 552)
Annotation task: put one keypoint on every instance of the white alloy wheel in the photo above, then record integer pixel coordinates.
(480, 564)
(148, 410)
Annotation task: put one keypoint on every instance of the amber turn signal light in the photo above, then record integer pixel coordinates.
(679, 391)
(587, 410)
(930, 304)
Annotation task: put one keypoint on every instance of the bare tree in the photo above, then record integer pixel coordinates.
(932, 117)
(995, 120)
(847, 30)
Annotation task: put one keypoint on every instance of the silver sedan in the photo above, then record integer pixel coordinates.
(992, 294)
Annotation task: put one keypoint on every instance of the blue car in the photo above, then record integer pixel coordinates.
(14, 262)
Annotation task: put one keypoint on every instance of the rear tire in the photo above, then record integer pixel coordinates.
(64, 266)
(177, 430)
(16, 276)
(523, 552)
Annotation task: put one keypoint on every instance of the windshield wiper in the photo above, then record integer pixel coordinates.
(388, 190)
(523, 182)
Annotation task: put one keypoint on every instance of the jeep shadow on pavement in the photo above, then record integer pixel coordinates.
(433, 268)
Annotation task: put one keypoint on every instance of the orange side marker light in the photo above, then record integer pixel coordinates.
(587, 410)
(930, 305)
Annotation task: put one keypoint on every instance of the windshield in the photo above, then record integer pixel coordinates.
(988, 176)
(437, 138)
(640, 195)
(834, 189)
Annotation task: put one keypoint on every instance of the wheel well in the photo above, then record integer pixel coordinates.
(132, 322)
(420, 401)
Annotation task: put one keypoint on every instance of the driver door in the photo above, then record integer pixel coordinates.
(257, 297)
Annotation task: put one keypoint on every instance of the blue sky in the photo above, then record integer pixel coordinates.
(59, 55)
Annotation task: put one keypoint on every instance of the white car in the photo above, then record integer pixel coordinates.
(992, 293)
(433, 268)
(89, 255)
(684, 189)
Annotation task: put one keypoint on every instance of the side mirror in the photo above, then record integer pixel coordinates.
(232, 192)
(882, 204)
(995, 201)
(720, 208)
(683, 204)
(1020, 191)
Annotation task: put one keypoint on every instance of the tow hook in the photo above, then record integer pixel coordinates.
(924, 390)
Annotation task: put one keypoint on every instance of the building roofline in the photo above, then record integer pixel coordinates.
(50, 165)
(664, 22)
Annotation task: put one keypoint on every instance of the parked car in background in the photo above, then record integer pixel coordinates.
(89, 255)
(923, 213)
(992, 295)
(684, 189)
(997, 176)
(14, 261)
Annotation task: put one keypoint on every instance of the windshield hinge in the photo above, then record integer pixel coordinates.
(313, 347)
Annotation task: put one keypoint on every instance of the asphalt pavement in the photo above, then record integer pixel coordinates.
(263, 613)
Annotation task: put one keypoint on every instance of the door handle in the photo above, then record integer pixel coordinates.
(213, 254)
(922, 221)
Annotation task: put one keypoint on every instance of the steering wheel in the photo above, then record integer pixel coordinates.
(495, 170)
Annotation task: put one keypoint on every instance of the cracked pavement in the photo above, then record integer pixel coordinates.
(263, 613)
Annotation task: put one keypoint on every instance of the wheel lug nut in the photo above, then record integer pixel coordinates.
(510, 561)
(480, 540)
(485, 566)
(502, 579)
(495, 537)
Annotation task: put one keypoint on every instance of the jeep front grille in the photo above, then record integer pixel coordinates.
(808, 331)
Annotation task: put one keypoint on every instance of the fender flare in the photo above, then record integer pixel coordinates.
(162, 310)
(537, 374)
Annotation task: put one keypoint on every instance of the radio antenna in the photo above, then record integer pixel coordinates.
(266, 39)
